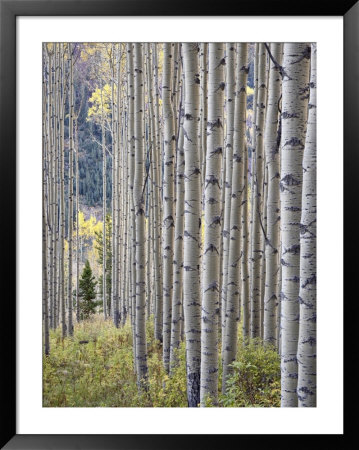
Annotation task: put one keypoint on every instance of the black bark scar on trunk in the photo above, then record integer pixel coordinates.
(193, 389)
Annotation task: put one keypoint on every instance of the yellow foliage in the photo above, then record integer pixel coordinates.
(250, 91)
(87, 235)
(88, 228)
(101, 100)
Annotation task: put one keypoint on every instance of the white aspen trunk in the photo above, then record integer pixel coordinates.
(271, 144)
(307, 341)
(148, 255)
(175, 50)
(121, 181)
(157, 219)
(115, 193)
(148, 188)
(257, 195)
(104, 202)
(61, 99)
(238, 201)
(45, 305)
(70, 193)
(125, 212)
(245, 238)
(138, 200)
(77, 223)
(212, 214)
(204, 107)
(45, 225)
(131, 164)
(227, 182)
(178, 250)
(245, 250)
(168, 201)
(252, 193)
(48, 125)
(264, 230)
(54, 311)
(192, 225)
(294, 118)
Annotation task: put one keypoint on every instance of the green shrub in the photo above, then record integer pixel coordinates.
(95, 367)
(255, 380)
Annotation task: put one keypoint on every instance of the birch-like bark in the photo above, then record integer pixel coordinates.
(168, 200)
(61, 99)
(212, 214)
(104, 208)
(257, 205)
(57, 287)
(294, 118)
(204, 106)
(264, 230)
(77, 199)
(70, 193)
(227, 184)
(48, 125)
(45, 225)
(192, 224)
(157, 219)
(307, 342)
(271, 143)
(54, 304)
(245, 250)
(178, 250)
(45, 304)
(238, 201)
(175, 51)
(131, 164)
(115, 195)
(138, 200)
(252, 191)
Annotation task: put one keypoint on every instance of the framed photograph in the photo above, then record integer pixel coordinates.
(169, 223)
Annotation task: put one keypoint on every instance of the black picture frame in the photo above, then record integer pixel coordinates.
(9, 10)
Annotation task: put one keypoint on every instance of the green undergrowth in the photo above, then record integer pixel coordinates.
(94, 368)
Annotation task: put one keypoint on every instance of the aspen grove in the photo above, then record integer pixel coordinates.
(179, 224)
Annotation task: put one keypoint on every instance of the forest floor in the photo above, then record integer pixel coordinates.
(94, 368)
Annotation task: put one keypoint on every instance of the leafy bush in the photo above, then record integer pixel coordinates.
(255, 380)
(95, 367)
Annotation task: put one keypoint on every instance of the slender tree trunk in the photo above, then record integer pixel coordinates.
(57, 175)
(192, 225)
(272, 143)
(138, 199)
(168, 201)
(54, 305)
(227, 182)
(238, 201)
(178, 250)
(294, 117)
(121, 188)
(131, 163)
(61, 98)
(157, 219)
(45, 225)
(77, 224)
(115, 195)
(257, 205)
(212, 208)
(104, 202)
(307, 342)
(70, 193)
(245, 250)
(48, 97)
(204, 107)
